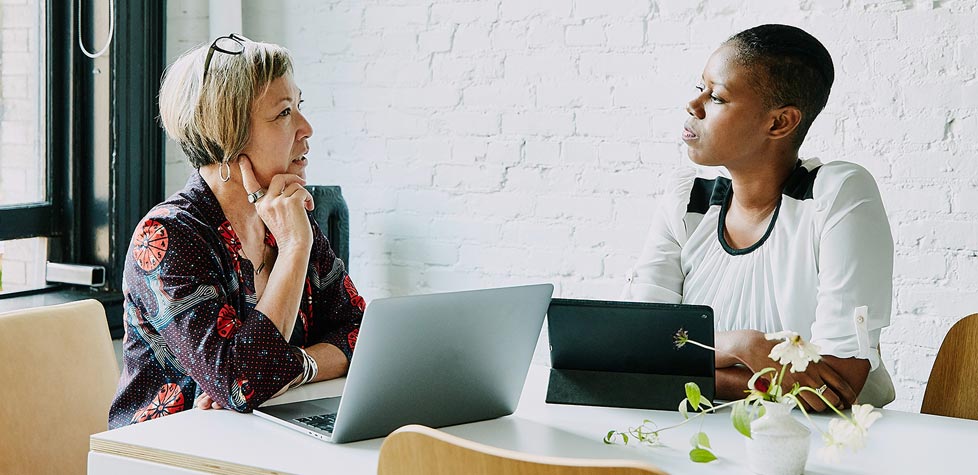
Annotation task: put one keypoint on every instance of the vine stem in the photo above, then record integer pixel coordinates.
(694, 342)
(827, 403)
(698, 414)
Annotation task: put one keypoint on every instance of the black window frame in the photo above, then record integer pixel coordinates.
(41, 219)
(85, 224)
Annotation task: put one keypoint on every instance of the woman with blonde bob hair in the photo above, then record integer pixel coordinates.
(232, 293)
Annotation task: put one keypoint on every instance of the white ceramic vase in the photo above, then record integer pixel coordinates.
(779, 443)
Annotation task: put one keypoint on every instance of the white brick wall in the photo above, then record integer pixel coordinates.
(22, 171)
(495, 142)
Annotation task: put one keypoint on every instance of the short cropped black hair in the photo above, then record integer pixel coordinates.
(789, 67)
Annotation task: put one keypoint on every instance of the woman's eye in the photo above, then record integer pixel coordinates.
(715, 99)
(700, 87)
(286, 112)
(300, 104)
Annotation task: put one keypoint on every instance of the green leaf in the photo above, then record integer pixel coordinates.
(700, 440)
(741, 418)
(701, 456)
(682, 409)
(693, 394)
(704, 440)
(625, 438)
(608, 437)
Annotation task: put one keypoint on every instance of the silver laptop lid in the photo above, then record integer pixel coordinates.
(440, 359)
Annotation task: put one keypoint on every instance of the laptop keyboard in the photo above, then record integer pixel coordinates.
(322, 422)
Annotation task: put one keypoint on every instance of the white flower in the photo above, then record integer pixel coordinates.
(843, 434)
(832, 451)
(793, 350)
(864, 416)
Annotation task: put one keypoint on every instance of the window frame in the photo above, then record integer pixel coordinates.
(39, 219)
(85, 223)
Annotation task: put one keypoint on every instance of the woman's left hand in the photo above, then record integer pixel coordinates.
(205, 402)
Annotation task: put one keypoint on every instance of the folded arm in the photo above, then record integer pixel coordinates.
(741, 353)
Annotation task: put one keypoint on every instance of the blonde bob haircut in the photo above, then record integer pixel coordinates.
(210, 117)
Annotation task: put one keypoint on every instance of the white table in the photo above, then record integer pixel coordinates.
(900, 442)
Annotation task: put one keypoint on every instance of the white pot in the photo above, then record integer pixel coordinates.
(779, 442)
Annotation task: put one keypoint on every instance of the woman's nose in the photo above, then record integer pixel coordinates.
(305, 128)
(695, 108)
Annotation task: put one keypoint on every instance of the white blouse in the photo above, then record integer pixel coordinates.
(827, 251)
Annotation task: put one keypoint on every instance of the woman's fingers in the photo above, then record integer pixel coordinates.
(814, 402)
(841, 388)
(823, 379)
(282, 182)
(248, 179)
(297, 192)
(283, 210)
(276, 186)
(205, 402)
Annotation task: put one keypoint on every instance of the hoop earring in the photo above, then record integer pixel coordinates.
(224, 165)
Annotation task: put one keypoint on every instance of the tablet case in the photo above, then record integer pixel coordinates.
(622, 354)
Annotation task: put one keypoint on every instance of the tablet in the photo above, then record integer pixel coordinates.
(623, 354)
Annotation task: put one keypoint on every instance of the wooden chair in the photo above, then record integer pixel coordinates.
(420, 450)
(58, 374)
(951, 389)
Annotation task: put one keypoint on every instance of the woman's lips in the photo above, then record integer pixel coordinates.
(689, 135)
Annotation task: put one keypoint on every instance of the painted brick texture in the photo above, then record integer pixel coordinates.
(496, 142)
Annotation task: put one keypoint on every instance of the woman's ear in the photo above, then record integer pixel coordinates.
(785, 121)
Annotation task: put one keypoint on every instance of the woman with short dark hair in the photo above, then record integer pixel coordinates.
(770, 241)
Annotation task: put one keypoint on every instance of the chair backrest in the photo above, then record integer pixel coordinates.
(58, 374)
(420, 450)
(333, 217)
(951, 389)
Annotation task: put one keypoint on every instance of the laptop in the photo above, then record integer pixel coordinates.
(622, 354)
(438, 360)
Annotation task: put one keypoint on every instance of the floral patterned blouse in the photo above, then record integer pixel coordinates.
(190, 319)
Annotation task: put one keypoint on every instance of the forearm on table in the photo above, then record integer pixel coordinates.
(731, 382)
(738, 355)
(283, 292)
(742, 347)
(332, 362)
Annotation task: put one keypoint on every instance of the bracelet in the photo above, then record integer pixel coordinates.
(303, 377)
(309, 368)
(313, 365)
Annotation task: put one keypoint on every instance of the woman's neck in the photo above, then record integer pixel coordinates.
(757, 189)
(233, 200)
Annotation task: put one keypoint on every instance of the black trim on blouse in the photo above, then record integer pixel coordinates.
(705, 193)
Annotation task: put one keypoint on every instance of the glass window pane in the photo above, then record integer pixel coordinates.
(22, 264)
(23, 164)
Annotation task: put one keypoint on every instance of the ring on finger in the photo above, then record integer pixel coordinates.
(822, 389)
(257, 195)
